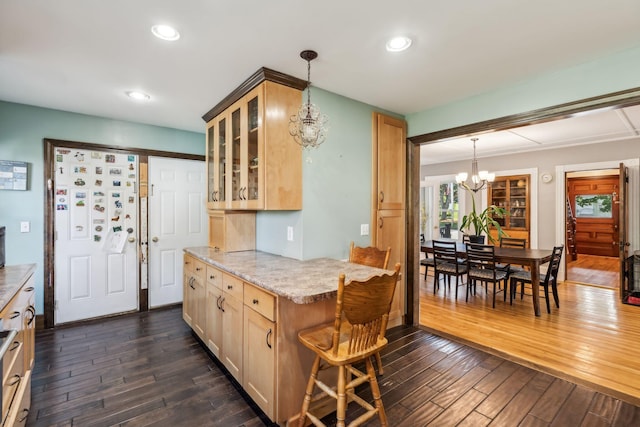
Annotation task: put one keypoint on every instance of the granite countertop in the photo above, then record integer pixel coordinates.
(12, 277)
(303, 282)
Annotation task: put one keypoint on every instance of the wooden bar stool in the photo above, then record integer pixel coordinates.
(362, 313)
(373, 257)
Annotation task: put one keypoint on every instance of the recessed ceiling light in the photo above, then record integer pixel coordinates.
(165, 32)
(398, 44)
(138, 96)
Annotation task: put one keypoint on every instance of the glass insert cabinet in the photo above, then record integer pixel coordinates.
(252, 161)
(512, 194)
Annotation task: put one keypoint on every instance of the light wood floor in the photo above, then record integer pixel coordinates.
(595, 270)
(592, 339)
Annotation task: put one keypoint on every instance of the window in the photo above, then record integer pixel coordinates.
(448, 210)
(594, 206)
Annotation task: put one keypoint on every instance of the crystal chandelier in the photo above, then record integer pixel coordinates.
(309, 126)
(478, 179)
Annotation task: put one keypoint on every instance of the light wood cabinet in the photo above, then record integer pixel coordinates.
(232, 323)
(260, 338)
(213, 330)
(391, 233)
(194, 306)
(512, 194)
(252, 161)
(18, 361)
(389, 199)
(231, 231)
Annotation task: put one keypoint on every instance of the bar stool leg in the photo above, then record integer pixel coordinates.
(341, 410)
(379, 361)
(375, 392)
(309, 391)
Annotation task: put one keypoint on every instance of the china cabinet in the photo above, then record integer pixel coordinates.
(252, 161)
(512, 194)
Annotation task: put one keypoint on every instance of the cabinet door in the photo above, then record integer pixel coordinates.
(236, 155)
(259, 360)
(29, 323)
(232, 335)
(199, 299)
(214, 319)
(390, 153)
(216, 162)
(252, 169)
(391, 233)
(187, 300)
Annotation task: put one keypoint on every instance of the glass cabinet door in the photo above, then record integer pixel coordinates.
(518, 203)
(236, 150)
(221, 146)
(253, 162)
(212, 170)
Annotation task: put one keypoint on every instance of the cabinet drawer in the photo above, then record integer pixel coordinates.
(214, 277)
(232, 286)
(199, 269)
(260, 301)
(12, 379)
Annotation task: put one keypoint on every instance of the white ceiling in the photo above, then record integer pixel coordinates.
(585, 128)
(82, 55)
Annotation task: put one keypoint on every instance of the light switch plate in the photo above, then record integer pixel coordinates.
(25, 227)
(364, 229)
(290, 234)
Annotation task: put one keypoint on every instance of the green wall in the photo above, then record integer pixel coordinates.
(22, 130)
(608, 74)
(336, 187)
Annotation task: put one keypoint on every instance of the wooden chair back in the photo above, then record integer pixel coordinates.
(512, 242)
(365, 305)
(444, 252)
(369, 256)
(480, 257)
(554, 265)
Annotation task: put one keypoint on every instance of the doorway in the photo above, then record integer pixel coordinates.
(114, 240)
(593, 227)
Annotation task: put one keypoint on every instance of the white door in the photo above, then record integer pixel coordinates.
(96, 222)
(177, 219)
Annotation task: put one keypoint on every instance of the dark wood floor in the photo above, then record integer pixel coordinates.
(148, 369)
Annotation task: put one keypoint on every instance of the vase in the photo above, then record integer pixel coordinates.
(476, 239)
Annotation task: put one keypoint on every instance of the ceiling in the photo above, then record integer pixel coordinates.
(82, 55)
(585, 128)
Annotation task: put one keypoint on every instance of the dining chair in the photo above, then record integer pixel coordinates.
(550, 279)
(511, 242)
(446, 264)
(356, 334)
(481, 266)
(372, 257)
(369, 256)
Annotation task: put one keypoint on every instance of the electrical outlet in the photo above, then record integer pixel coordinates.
(364, 229)
(290, 234)
(25, 227)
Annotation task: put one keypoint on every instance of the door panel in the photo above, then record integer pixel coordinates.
(177, 219)
(623, 219)
(96, 270)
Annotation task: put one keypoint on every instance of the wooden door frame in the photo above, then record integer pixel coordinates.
(620, 99)
(49, 147)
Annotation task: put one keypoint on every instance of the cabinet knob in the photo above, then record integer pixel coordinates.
(255, 301)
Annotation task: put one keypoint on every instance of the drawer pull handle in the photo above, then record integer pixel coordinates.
(269, 336)
(255, 301)
(25, 411)
(221, 306)
(16, 344)
(381, 196)
(14, 315)
(14, 380)
(218, 302)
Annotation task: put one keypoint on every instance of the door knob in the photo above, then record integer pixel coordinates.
(155, 239)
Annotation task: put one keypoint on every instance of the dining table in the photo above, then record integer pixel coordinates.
(532, 258)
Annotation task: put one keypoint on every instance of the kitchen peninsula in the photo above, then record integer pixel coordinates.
(247, 307)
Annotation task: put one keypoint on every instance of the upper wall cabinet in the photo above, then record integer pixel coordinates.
(390, 146)
(252, 161)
